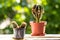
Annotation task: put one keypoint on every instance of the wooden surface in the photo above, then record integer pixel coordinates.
(29, 37)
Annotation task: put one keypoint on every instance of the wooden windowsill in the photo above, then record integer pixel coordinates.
(29, 37)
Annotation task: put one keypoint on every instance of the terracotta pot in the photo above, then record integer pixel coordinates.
(38, 29)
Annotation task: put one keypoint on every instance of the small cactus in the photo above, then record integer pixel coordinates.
(37, 12)
(15, 25)
(23, 25)
(18, 30)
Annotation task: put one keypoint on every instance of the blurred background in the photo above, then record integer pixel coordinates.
(20, 11)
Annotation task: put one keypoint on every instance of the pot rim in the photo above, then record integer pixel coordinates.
(45, 22)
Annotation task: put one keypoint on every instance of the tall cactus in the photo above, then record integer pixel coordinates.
(37, 12)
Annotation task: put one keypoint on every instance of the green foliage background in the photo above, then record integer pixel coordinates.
(21, 11)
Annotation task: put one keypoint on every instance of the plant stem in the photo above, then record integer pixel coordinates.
(37, 20)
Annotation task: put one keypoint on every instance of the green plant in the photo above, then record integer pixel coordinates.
(37, 12)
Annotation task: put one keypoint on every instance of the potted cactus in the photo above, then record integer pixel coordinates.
(18, 31)
(38, 26)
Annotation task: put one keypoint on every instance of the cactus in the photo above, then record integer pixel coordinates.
(15, 25)
(19, 31)
(37, 12)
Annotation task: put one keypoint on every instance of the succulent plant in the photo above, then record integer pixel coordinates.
(15, 25)
(23, 25)
(37, 11)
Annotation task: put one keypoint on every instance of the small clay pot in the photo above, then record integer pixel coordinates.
(38, 29)
(19, 33)
(17, 39)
